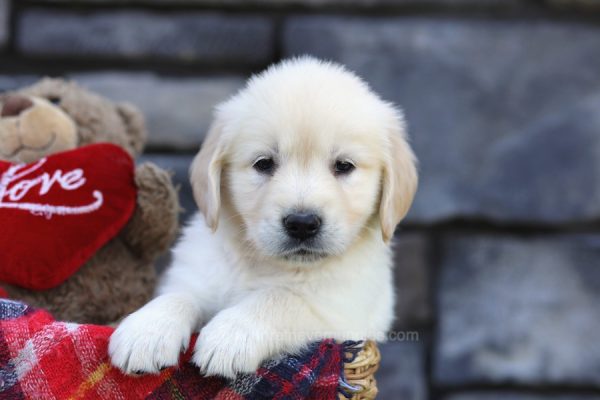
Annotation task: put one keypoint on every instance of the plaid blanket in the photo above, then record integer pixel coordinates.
(41, 358)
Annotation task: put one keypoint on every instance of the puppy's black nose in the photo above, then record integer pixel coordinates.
(302, 225)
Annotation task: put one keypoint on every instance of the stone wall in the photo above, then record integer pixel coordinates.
(498, 264)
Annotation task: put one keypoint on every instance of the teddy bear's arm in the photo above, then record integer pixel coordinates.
(154, 224)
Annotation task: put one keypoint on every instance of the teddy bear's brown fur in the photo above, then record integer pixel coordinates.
(55, 115)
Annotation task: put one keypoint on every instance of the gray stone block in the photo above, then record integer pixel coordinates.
(178, 111)
(473, 92)
(4, 13)
(401, 374)
(411, 280)
(519, 310)
(549, 172)
(204, 37)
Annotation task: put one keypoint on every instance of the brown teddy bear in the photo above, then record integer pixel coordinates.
(55, 116)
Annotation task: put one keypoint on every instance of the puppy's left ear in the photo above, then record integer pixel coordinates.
(205, 174)
(399, 179)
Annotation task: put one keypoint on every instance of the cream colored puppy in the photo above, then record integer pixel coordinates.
(301, 182)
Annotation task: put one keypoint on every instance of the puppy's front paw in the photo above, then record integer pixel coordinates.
(227, 346)
(148, 341)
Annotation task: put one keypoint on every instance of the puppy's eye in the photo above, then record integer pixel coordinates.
(343, 167)
(54, 100)
(264, 165)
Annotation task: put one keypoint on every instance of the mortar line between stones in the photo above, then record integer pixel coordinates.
(249, 7)
(434, 261)
(525, 9)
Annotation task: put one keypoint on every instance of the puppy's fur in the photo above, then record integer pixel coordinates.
(256, 291)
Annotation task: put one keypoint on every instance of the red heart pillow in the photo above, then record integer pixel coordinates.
(57, 212)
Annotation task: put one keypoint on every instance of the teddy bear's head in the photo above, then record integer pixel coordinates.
(54, 115)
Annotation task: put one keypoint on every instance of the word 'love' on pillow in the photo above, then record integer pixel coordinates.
(57, 212)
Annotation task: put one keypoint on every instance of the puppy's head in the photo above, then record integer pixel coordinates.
(308, 159)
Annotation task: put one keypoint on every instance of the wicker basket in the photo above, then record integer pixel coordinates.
(360, 373)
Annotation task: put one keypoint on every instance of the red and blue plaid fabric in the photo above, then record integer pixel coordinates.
(41, 358)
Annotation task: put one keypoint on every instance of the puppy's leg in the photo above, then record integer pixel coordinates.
(238, 339)
(153, 337)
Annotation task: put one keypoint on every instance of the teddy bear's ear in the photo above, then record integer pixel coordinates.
(2, 100)
(135, 126)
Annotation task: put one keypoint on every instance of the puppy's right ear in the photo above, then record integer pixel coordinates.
(400, 179)
(205, 173)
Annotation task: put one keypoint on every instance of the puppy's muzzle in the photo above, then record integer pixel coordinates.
(302, 226)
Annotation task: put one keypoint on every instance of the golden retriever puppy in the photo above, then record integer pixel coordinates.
(301, 182)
